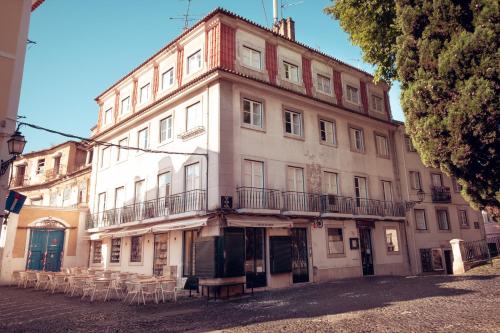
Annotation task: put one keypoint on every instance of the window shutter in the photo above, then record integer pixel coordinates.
(281, 254)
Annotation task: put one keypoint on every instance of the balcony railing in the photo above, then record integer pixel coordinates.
(441, 194)
(173, 204)
(337, 204)
(301, 202)
(258, 198)
(358, 206)
(54, 172)
(19, 180)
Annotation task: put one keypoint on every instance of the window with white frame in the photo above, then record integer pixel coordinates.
(253, 174)
(166, 129)
(192, 177)
(140, 191)
(144, 93)
(409, 145)
(105, 157)
(437, 179)
(330, 183)
(252, 113)
(142, 138)
(377, 103)
(391, 240)
(293, 123)
(164, 184)
(352, 94)
(382, 145)
(387, 190)
(194, 62)
(443, 221)
(462, 217)
(324, 84)
(125, 107)
(415, 180)
(167, 78)
(420, 219)
(335, 241)
(357, 139)
(291, 71)
(108, 116)
(119, 197)
(251, 57)
(101, 202)
(327, 132)
(295, 179)
(97, 253)
(194, 117)
(136, 249)
(360, 190)
(122, 152)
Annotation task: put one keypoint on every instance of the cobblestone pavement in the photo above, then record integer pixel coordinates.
(469, 303)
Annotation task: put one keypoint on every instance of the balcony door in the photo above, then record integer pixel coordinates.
(360, 191)
(191, 198)
(295, 199)
(253, 181)
(119, 202)
(437, 179)
(101, 207)
(139, 198)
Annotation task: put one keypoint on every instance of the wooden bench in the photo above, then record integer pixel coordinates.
(218, 285)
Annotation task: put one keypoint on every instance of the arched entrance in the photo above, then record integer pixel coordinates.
(46, 246)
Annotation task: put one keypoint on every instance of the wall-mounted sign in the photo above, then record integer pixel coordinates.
(226, 202)
(354, 243)
(14, 202)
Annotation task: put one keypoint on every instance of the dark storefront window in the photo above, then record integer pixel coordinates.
(188, 262)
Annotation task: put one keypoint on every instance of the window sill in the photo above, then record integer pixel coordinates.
(166, 142)
(253, 128)
(325, 94)
(194, 132)
(394, 253)
(335, 255)
(297, 83)
(358, 151)
(136, 263)
(324, 143)
(255, 69)
(384, 157)
(294, 136)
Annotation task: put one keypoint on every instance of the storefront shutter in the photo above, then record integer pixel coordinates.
(281, 254)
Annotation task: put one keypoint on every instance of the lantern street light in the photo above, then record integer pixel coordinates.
(15, 145)
(420, 196)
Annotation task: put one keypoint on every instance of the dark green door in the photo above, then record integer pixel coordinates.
(46, 250)
(365, 240)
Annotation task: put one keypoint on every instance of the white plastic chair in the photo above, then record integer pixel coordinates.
(167, 288)
(149, 289)
(133, 291)
(42, 281)
(31, 279)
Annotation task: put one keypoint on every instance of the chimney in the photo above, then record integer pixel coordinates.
(286, 28)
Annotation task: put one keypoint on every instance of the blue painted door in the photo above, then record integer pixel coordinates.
(46, 249)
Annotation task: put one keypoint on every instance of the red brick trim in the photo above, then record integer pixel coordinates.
(227, 46)
(180, 60)
(134, 95)
(271, 62)
(307, 75)
(117, 104)
(156, 79)
(364, 97)
(337, 86)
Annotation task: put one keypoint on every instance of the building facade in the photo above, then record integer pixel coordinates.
(287, 155)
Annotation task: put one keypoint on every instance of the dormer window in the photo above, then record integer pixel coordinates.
(194, 62)
(167, 78)
(324, 84)
(291, 71)
(352, 94)
(251, 58)
(108, 116)
(144, 95)
(125, 105)
(377, 103)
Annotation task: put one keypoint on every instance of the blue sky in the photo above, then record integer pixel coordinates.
(82, 47)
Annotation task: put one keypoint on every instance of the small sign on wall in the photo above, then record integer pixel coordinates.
(226, 202)
(354, 243)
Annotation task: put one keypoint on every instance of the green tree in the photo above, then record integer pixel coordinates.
(446, 55)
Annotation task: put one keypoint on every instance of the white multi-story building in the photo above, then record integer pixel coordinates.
(286, 154)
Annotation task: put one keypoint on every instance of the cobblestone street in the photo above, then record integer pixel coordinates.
(467, 303)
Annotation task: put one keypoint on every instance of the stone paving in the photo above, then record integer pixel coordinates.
(469, 303)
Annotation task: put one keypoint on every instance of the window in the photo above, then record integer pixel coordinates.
(391, 240)
(291, 71)
(251, 57)
(295, 179)
(357, 139)
(437, 260)
(193, 116)
(415, 180)
(387, 190)
(437, 179)
(97, 254)
(409, 145)
(253, 174)
(167, 78)
(335, 241)
(194, 62)
(136, 249)
(142, 138)
(462, 217)
(293, 123)
(188, 252)
(420, 220)
(122, 152)
(116, 244)
(456, 186)
(40, 166)
(166, 129)
(352, 94)
(125, 105)
(327, 132)
(119, 197)
(106, 156)
(377, 103)
(144, 94)
(442, 217)
(324, 84)
(108, 116)
(360, 190)
(382, 145)
(164, 181)
(139, 191)
(192, 177)
(101, 202)
(330, 183)
(252, 113)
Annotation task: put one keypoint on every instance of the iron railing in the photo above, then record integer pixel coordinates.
(441, 194)
(19, 180)
(301, 201)
(476, 251)
(55, 172)
(359, 206)
(331, 203)
(173, 204)
(258, 198)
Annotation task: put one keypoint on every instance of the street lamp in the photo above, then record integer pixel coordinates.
(420, 196)
(15, 145)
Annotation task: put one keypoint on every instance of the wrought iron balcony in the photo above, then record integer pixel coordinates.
(359, 206)
(184, 202)
(19, 180)
(54, 173)
(331, 203)
(301, 202)
(441, 194)
(258, 198)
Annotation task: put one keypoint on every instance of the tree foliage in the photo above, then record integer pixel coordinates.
(446, 55)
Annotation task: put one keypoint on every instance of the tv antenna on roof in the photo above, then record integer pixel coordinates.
(186, 17)
(285, 4)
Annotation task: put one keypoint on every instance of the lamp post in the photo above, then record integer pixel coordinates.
(420, 198)
(15, 145)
